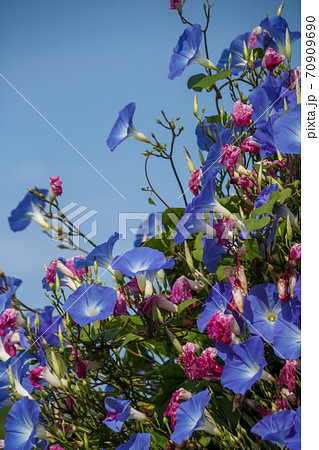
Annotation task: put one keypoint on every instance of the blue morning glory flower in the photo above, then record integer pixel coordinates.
(28, 210)
(139, 441)
(244, 365)
(261, 309)
(49, 326)
(264, 136)
(143, 263)
(219, 298)
(211, 253)
(193, 222)
(212, 164)
(90, 302)
(118, 411)
(187, 52)
(20, 366)
(21, 425)
(190, 417)
(263, 197)
(9, 282)
(277, 26)
(5, 299)
(236, 49)
(287, 338)
(268, 100)
(102, 254)
(293, 440)
(287, 132)
(124, 128)
(276, 427)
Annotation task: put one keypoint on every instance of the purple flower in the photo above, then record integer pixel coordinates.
(187, 52)
(219, 298)
(244, 365)
(21, 425)
(277, 26)
(139, 441)
(118, 411)
(28, 210)
(102, 254)
(287, 132)
(190, 417)
(124, 128)
(277, 427)
(90, 303)
(143, 263)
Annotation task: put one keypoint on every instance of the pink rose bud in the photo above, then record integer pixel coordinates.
(9, 319)
(230, 156)
(295, 254)
(253, 37)
(194, 180)
(219, 328)
(248, 145)
(282, 289)
(272, 59)
(56, 447)
(55, 188)
(241, 114)
(181, 290)
(11, 342)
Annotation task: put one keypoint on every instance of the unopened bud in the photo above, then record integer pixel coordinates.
(238, 298)
(282, 289)
(195, 106)
(280, 9)
(245, 51)
(174, 341)
(288, 45)
(190, 164)
(292, 282)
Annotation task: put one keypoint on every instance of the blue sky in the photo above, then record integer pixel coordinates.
(78, 63)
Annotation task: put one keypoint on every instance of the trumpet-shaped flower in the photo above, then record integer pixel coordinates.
(177, 397)
(218, 300)
(213, 161)
(139, 441)
(21, 425)
(261, 309)
(19, 367)
(238, 63)
(277, 427)
(287, 132)
(244, 365)
(28, 210)
(268, 100)
(124, 128)
(119, 411)
(187, 52)
(143, 263)
(190, 417)
(277, 26)
(90, 303)
(102, 254)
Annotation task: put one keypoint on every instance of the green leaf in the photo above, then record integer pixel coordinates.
(252, 249)
(284, 195)
(151, 202)
(215, 119)
(260, 52)
(185, 304)
(220, 272)
(198, 247)
(159, 439)
(266, 208)
(128, 339)
(3, 417)
(254, 224)
(111, 334)
(201, 81)
(231, 203)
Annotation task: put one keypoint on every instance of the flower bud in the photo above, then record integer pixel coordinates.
(282, 289)
(280, 9)
(195, 107)
(288, 45)
(190, 164)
